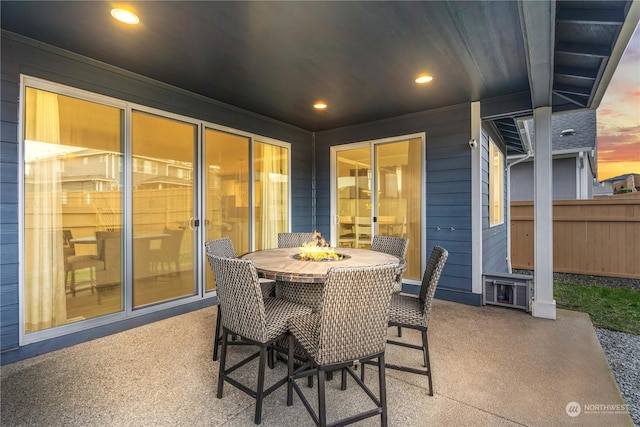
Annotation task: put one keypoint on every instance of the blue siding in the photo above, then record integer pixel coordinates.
(21, 55)
(9, 204)
(301, 187)
(448, 185)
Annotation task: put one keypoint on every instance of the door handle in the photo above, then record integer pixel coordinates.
(193, 223)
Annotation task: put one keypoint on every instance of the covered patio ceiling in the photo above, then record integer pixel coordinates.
(361, 58)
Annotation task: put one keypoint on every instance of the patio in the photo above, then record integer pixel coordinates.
(492, 366)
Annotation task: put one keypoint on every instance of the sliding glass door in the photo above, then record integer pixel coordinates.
(226, 195)
(271, 193)
(250, 211)
(163, 206)
(378, 188)
(118, 200)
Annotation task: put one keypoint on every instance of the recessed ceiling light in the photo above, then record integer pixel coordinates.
(424, 79)
(125, 16)
(320, 105)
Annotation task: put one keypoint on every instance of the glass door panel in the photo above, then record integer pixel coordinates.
(72, 194)
(398, 189)
(271, 193)
(163, 208)
(353, 197)
(226, 184)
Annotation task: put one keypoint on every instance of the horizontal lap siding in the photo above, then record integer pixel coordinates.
(448, 184)
(9, 80)
(20, 55)
(301, 190)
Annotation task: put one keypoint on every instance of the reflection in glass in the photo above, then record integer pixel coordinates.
(399, 186)
(354, 197)
(163, 206)
(72, 192)
(397, 209)
(226, 183)
(271, 192)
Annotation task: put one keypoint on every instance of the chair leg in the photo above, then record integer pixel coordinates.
(290, 366)
(92, 274)
(382, 390)
(343, 382)
(271, 358)
(399, 331)
(260, 387)
(427, 362)
(216, 339)
(73, 283)
(223, 360)
(322, 404)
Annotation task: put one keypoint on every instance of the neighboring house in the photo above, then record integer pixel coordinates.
(574, 158)
(627, 183)
(601, 189)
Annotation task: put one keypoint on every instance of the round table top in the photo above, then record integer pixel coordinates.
(279, 264)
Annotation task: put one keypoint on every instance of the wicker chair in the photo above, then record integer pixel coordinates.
(73, 262)
(396, 246)
(257, 321)
(411, 311)
(223, 247)
(351, 326)
(294, 240)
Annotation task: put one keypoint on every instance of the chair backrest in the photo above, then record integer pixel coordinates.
(363, 230)
(109, 245)
(67, 238)
(67, 248)
(396, 246)
(104, 237)
(222, 247)
(355, 312)
(430, 279)
(294, 240)
(242, 308)
(171, 244)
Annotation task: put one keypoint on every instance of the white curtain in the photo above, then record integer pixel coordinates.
(412, 220)
(44, 286)
(273, 195)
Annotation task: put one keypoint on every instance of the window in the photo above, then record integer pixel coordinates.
(496, 185)
(63, 212)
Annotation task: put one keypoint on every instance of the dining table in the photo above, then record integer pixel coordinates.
(302, 281)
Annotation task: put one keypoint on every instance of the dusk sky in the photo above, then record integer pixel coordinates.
(619, 117)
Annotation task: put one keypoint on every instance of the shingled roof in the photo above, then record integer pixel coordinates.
(570, 132)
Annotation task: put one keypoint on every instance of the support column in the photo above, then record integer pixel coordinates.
(543, 305)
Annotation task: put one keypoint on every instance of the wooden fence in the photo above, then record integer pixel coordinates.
(599, 237)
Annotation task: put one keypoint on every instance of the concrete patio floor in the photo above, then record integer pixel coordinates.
(491, 366)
